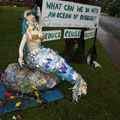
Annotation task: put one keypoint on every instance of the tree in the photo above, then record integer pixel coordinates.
(114, 8)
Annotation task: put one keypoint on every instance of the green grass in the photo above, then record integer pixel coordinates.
(102, 101)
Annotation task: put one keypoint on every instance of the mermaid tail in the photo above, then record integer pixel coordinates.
(79, 88)
(49, 61)
(44, 69)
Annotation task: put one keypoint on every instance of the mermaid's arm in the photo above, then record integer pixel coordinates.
(41, 35)
(21, 47)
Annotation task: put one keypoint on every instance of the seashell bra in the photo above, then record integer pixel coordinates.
(35, 36)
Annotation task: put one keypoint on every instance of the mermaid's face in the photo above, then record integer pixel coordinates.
(31, 19)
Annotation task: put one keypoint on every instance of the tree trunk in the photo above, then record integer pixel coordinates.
(75, 49)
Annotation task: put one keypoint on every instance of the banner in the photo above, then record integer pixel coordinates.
(56, 13)
(52, 35)
(68, 33)
(89, 34)
(72, 33)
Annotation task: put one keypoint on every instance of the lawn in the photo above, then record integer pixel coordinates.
(102, 101)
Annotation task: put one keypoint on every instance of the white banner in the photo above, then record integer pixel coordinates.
(52, 35)
(57, 13)
(89, 34)
(72, 33)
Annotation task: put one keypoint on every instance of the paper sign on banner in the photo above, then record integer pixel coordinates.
(72, 33)
(52, 35)
(56, 13)
(89, 34)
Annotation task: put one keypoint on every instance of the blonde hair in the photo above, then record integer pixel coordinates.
(26, 13)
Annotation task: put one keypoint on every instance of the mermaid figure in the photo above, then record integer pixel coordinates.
(45, 59)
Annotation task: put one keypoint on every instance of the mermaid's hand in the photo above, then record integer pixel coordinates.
(41, 36)
(21, 61)
(38, 11)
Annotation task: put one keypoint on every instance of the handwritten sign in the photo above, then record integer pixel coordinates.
(56, 13)
(89, 34)
(52, 35)
(72, 33)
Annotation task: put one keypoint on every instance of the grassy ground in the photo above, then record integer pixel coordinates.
(103, 99)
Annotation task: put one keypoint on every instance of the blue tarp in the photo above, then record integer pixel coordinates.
(49, 95)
